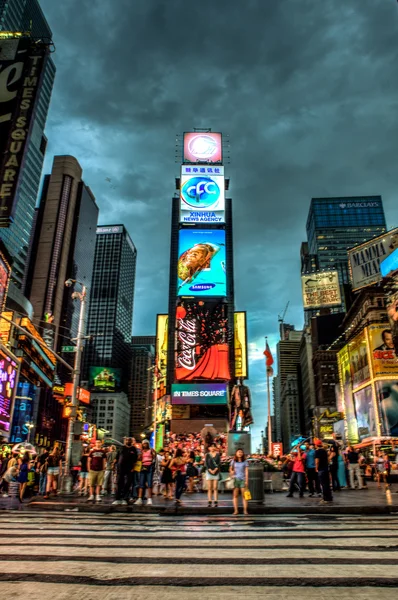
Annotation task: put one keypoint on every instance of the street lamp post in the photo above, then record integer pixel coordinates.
(82, 296)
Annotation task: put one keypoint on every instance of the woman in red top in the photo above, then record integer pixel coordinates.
(298, 474)
(148, 457)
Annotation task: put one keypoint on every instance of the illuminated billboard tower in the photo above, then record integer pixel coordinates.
(201, 364)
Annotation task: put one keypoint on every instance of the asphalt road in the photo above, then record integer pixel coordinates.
(86, 556)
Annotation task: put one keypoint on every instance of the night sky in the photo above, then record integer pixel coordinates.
(307, 91)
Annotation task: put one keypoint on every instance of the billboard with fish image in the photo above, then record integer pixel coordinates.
(201, 267)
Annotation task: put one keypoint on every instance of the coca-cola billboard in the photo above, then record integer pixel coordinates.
(202, 341)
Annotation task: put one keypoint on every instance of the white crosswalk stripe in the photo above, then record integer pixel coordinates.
(53, 555)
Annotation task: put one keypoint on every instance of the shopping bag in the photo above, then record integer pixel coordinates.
(247, 495)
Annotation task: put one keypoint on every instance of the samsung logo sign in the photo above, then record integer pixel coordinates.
(359, 205)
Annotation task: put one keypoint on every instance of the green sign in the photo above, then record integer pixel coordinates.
(68, 349)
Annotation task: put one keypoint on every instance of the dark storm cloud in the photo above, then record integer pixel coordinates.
(306, 90)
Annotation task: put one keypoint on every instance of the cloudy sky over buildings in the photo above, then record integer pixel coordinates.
(306, 91)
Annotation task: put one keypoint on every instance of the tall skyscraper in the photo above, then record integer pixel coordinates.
(201, 364)
(62, 247)
(141, 391)
(27, 16)
(110, 315)
(288, 358)
(336, 224)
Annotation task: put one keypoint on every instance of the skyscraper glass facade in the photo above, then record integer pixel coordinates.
(336, 224)
(112, 299)
(26, 15)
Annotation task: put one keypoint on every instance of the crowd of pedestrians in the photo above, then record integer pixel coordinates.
(134, 472)
(324, 468)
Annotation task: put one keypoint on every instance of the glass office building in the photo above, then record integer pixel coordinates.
(110, 314)
(336, 224)
(26, 15)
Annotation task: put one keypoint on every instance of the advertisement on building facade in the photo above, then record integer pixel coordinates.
(5, 327)
(9, 370)
(364, 260)
(202, 263)
(387, 399)
(104, 379)
(321, 289)
(199, 393)
(384, 359)
(360, 372)
(240, 343)
(161, 345)
(202, 341)
(325, 423)
(344, 364)
(5, 272)
(202, 147)
(21, 66)
(365, 413)
(202, 196)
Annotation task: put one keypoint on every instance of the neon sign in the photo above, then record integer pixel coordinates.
(8, 381)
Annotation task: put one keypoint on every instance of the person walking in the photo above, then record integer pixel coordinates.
(212, 464)
(239, 470)
(298, 474)
(312, 476)
(23, 466)
(322, 468)
(148, 459)
(54, 467)
(111, 458)
(341, 471)
(167, 476)
(96, 468)
(353, 468)
(125, 471)
(178, 467)
(334, 454)
(83, 475)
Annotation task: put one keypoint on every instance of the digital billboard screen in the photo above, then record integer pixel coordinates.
(365, 413)
(8, 382)
(205, 147)
(104, 379)
(202, 350)
(387, 398)
(201, 267)
(202, 194)
(199, 393)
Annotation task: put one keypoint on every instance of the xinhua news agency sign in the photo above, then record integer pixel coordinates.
(365, 259)
(21, 68)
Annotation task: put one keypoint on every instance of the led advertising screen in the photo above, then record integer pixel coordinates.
(161, 344)
(384, 359)
(343, 360)
(387, 398)
(240, 342)
(5, 272)
(365, 413)
(364, 260)
(202, 194)
(203, 147)
(359, 363)
(389, 264)
(8, 382)
(199, 393)
(104, 379)
(321, 289)
(202, 350)
(201, 267)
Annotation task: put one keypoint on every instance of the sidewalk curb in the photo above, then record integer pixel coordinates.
(173, 510)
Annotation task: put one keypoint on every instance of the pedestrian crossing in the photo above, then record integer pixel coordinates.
(64, 555)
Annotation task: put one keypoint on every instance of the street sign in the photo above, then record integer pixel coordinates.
(68, 349)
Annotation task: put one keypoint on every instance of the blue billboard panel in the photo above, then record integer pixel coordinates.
(201, 264)
(199, 393)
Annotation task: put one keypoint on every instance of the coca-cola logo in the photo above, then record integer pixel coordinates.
(187, 343)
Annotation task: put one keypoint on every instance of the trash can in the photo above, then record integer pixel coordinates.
(256, 482)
